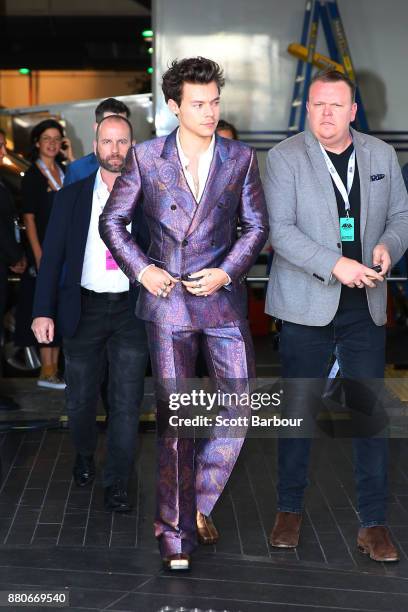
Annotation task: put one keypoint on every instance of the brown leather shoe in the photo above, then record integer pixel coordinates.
(286, 530)
(176, 563)
(376, 542)
(206, 530)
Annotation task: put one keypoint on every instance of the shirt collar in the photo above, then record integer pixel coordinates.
(100, 187)
(204, 157)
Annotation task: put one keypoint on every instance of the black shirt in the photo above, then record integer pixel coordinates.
(350, 298)
(37, 199)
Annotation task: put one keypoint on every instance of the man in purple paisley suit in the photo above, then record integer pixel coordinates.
(194, 188)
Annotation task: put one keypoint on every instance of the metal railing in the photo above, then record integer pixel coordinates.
(265, 279)
(256, 279)
(398, 139)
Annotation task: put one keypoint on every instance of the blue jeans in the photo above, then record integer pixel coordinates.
(305, 353)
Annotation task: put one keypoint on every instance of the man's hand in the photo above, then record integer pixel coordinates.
(354, 274)
(20, 266)
(43, 328)
(208, 281)
(158, 282)
(381, 257)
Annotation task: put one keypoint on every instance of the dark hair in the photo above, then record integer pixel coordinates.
(334, 76)
(190, 70)
(115, 118)
(111, 105)
(3, 132)
(225, 125)
(36, 133)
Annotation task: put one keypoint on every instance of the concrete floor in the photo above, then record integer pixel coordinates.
(54, 536)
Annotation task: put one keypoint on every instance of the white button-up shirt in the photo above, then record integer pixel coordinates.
(95, 275)
(204, 164)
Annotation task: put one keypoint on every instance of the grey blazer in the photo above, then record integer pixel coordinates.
(305, 232)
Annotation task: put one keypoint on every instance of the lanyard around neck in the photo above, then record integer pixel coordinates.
(53, 183)
(351, 167)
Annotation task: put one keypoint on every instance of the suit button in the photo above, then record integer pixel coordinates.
(173, 207)
(184, 243)
(339, 245)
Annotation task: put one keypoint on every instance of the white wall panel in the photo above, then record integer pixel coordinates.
(249, 38)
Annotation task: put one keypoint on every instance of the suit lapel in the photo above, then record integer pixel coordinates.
(323, 176)
(219, 177)
(363, 162)
(82, 216)
(171, 176)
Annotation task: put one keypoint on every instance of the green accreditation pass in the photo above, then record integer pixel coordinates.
(347, 229)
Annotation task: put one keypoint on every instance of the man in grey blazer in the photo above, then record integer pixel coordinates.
(337, 207)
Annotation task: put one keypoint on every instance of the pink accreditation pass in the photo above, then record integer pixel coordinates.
(110, 262)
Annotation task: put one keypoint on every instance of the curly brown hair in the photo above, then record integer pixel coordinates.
(190, 70)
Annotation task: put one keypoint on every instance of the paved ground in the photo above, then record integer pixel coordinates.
(54, 536)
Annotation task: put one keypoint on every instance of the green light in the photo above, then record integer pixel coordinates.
(147, 33)
(150, 70)
(150, 50)
(24, 71)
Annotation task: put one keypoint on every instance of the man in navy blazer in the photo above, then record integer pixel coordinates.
(83, 167)
(87, 165)
(82, 292)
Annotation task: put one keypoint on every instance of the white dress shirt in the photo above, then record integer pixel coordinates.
(95, 275)
(204, 164)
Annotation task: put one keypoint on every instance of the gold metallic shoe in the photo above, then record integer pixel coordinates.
(206, 530)
(176, 563)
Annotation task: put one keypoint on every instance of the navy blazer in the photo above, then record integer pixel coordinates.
(58, 287)
(80, 169)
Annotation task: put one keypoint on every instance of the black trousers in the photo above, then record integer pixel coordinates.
(107, 332)
(3, 303)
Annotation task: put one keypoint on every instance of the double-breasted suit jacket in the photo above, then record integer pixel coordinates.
(185, 236)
